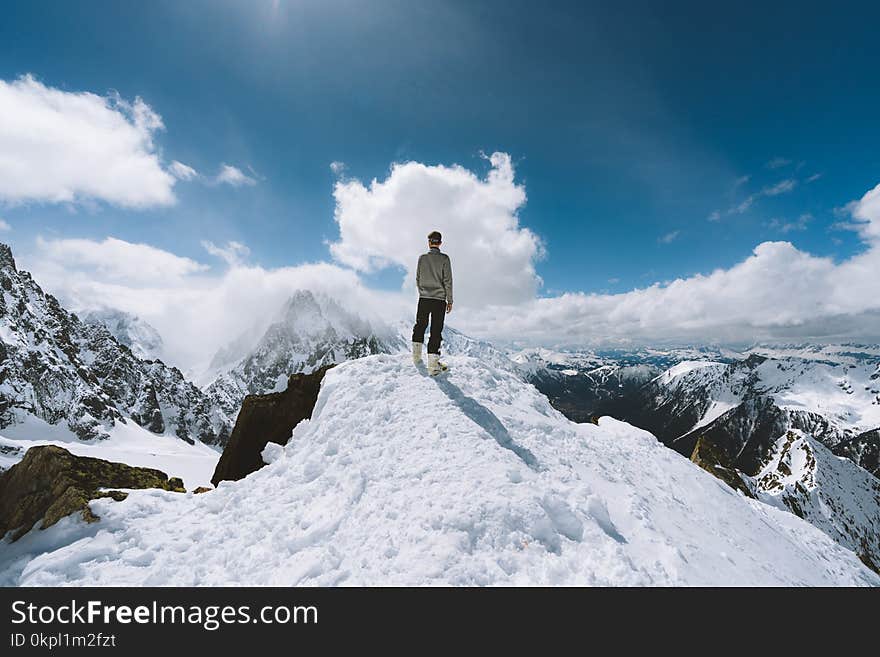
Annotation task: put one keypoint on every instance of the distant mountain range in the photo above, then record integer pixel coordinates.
(785, 424)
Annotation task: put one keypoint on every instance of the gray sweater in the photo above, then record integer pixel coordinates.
(434, 276)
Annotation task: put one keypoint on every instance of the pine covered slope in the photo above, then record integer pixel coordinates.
(469, 478)
(75, 375)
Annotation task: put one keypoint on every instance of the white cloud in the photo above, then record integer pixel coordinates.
(778, 163)
(866, 213)
(777, 292)
(62, 146)
(230, 175)
(115, 259)
(182, 171)
(337, 167)
(234, 253)
(4, 225)
(387, 223)
(788, 226)
(669, 237)
(197, 310)
(814, 177)
(782, 187)
(715, 215)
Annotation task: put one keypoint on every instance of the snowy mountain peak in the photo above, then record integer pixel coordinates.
(130, 330)
(470, 478)
(311, 315)
(310, 331)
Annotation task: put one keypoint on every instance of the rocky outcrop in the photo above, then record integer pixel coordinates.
(264, 419)
(716, 462)
(50, 483)
(863, 449)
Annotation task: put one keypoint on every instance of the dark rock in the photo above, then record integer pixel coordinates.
(863, 449)
(716, 462)
(264, 419)
(202, 489)
(745, 433)
(50, 483)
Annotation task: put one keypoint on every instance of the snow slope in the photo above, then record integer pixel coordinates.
(127, 443)
(469, 478)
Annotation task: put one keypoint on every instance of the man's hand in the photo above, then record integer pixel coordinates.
(448, 308)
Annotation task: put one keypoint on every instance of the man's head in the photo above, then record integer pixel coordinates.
(434, 238)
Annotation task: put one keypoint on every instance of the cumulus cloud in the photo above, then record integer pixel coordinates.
(337, 167)
(62, 146)
(387, 222)
(230, 175)
(866, 216)
(115, 259)
(779, 291)
(4, 226)
(234, 253)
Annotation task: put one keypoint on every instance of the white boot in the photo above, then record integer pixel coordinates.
(435, 366)
(417, 353)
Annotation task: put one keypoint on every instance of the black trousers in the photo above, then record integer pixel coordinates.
(436, 310)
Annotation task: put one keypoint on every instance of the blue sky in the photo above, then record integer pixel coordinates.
(629, 124)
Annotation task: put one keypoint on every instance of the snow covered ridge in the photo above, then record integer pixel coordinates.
(831, 493)
(70, 374)
(470, 478)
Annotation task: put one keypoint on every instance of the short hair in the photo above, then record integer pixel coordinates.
(434, 237)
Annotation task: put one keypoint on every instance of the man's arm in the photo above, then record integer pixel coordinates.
(419, 273)
(447, 283)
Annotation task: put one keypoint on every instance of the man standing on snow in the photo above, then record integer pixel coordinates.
(434, 281)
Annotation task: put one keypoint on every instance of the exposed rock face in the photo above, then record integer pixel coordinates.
(65, 371)
(264, 419)
(51, 483)
(716, 462)
(863, 449)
